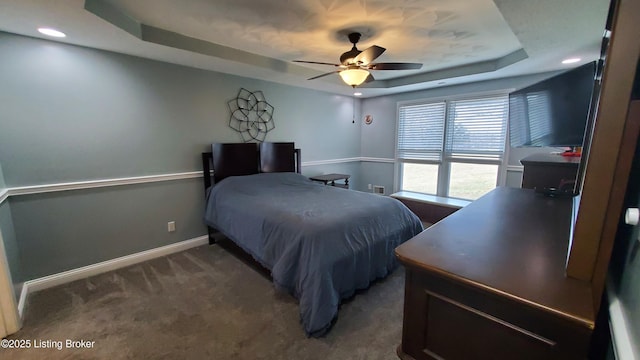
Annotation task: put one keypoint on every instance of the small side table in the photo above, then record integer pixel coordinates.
(331, 178)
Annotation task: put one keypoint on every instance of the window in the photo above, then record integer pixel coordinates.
(421, 178)
(452, 148)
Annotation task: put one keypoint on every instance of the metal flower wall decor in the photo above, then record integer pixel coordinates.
(251, 115)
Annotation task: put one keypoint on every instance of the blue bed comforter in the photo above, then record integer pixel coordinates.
(321, 243)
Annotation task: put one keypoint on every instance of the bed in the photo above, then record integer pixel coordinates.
(320, 243)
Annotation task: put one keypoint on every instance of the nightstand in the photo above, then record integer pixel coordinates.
(330, 179)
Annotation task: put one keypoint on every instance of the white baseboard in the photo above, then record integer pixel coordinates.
(4, 194)
(22, 300)
(102, 267)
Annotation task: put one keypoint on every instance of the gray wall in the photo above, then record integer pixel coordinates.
(71, 114)
(69, 229)
(11, 246)
(74, 113)
(2, 183)
(8, 236)
(378, 139)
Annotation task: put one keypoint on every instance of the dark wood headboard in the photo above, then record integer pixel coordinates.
(278, 157)
(236, 159)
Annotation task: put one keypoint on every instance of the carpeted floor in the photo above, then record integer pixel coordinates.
(203, 303)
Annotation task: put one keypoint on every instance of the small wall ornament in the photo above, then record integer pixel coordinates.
(368, 119)
(251, 115)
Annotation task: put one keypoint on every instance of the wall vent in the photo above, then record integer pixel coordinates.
(377, 189)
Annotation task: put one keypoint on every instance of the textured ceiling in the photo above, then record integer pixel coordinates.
(456, 40)
(436, 33)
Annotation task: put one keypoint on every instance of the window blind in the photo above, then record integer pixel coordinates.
(421, 131)
(476, 129)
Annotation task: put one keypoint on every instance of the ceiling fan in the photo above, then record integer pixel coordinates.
(355, 64)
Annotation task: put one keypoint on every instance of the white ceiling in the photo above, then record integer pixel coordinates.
(457, 41)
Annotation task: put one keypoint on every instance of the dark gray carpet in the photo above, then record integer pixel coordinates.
(203, 303)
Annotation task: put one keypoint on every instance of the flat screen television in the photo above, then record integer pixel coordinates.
(553, 112)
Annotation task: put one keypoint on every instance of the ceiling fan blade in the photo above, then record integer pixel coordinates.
(315, 62)
(369, 79)
(369, 54)
(394, 66)
(325, 74)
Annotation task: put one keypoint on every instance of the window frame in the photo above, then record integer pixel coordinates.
(444, 166)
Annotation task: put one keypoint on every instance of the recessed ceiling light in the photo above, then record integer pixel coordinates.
(357, 93)
(571, 60)
(51, 32)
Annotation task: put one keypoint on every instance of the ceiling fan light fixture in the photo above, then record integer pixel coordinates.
(354, 77)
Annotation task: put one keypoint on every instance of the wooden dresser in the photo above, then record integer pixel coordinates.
(549, 170)
(488, 282)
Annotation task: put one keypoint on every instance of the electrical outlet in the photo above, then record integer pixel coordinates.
(171, 226)
(370, 186)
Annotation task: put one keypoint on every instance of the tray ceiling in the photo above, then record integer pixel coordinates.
(455, 40)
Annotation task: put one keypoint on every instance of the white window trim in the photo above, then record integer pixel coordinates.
(442, 175)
